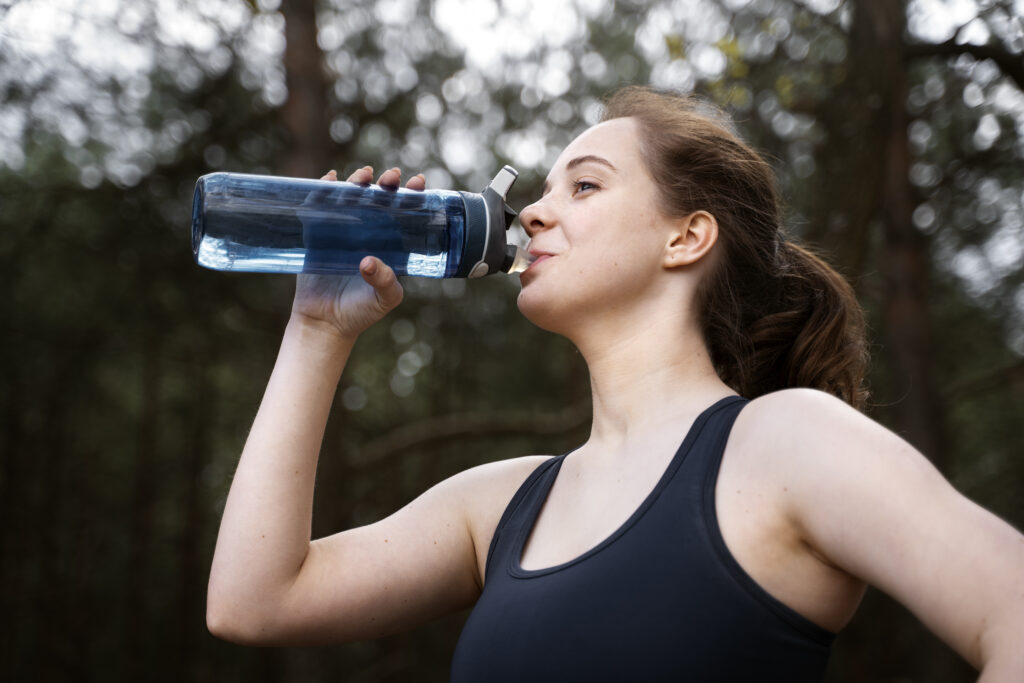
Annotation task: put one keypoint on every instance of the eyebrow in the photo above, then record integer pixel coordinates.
(576, 161)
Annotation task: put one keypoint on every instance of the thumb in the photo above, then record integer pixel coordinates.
(382, 278)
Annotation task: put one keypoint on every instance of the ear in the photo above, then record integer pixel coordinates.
(691, 239)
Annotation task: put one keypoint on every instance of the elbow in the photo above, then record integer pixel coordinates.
(223, 624)
(238, 626)
(232, 614)
(249, 614)
(1000, 656)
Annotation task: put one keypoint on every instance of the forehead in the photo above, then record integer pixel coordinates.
(616, 140)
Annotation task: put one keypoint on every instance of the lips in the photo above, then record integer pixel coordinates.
(538, 256)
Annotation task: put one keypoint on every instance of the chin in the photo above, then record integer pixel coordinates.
(541, 310)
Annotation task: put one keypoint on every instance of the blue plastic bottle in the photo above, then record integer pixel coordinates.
(268, 224)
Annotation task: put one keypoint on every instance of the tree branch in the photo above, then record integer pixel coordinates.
(1011, 65)
(444, 427)
(985, 382)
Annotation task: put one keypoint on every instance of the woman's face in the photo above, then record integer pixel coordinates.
(597, 231)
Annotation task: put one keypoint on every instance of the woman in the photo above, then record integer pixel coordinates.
(727, 511)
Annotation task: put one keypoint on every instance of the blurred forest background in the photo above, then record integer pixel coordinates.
(130, 376)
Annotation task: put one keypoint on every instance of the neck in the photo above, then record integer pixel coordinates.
(646, 371)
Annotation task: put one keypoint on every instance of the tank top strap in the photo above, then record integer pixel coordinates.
(523, 507)
(707, 462)
(705, 457)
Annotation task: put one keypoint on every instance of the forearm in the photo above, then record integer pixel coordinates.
(265, 530)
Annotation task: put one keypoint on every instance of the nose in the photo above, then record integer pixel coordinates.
(536, 217)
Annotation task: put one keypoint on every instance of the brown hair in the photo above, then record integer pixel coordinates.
(773, 313)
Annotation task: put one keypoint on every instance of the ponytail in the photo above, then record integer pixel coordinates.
(774, 314)
(804, 329)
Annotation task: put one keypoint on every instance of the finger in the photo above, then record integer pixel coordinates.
(390, 178)
(363, 176)
(383, 280)
(417, 182)
(330, 175)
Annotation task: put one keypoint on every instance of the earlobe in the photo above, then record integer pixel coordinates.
(692, 238)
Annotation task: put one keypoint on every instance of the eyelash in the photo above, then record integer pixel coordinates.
(578, 186)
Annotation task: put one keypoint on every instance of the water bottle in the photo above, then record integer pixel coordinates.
(267, 224)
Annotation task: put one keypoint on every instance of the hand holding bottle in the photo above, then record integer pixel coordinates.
(350, 304)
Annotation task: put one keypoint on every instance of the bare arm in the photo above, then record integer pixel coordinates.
(269, 583)
(874, 506)
(265, 530)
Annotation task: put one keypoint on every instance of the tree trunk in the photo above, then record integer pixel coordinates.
(308, 155)
(13, 473)
(905, 258)
(145, 481)
(190, 603)
(905, 651)
(304, 114)
(843, 206)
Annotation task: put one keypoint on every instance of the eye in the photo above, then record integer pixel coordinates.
(583, 186)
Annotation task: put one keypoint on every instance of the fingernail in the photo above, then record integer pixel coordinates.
(370, 267)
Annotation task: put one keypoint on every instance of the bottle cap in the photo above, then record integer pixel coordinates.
(488, 217)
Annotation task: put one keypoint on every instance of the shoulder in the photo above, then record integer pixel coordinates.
(815, 439)
(494, 480)
(834, 468)
(478, 496)
(800, 409)
(822, 459)
(802, 424)
(483, 492)
(873, 506)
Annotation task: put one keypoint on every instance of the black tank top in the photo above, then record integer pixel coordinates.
(661, 599)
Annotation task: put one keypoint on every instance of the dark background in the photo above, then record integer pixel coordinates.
(130, 376)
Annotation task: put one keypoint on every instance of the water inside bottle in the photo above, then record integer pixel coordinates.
(265, 224)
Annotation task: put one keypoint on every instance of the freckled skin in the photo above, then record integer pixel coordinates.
(577, 223)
